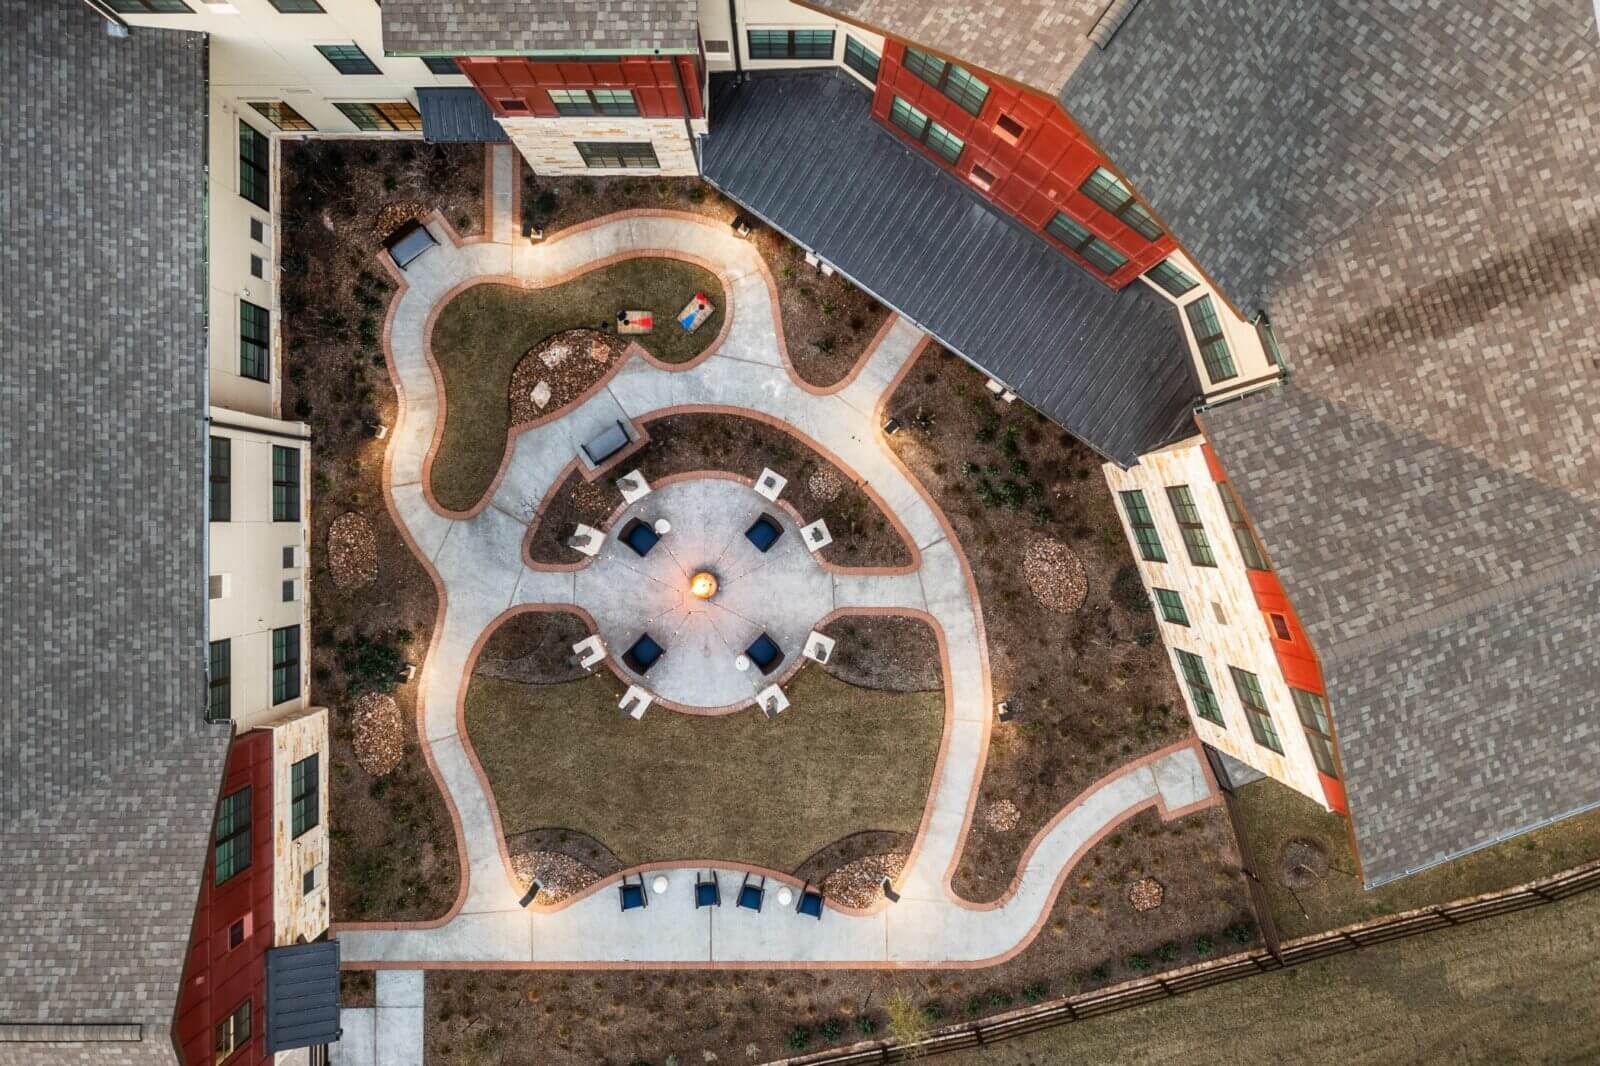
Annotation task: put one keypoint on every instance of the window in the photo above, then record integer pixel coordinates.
(221, 501)
(1249, 547)
(1255, 705)
(255, 155)
(303, 810)
(1269, 341)
(791, 44)
(1144, 527)
(1107, 190)
(594, 101)
(236, 934)
(441, 64)
(398, 115)
(618, 155)
(219, 708)
(348, 59)
(1198, 682)
(258, 267)
(285, 484)
(297, 7)
(955, 82)
(1009, 128)
(232, 849)
(1280, 626)
(255, 339)
(1319, 734)
(1173, 280)
(1070, 232)
(940, 141)
(859, 58)
(1171, 607)
(285, 664)
(981, 177)
(511, 103)
(308, 882)
(1194, 531)
(281, 115)
(258, 231)
(1208, 335)
(233, 1032)
(717, 46)
(151, 7)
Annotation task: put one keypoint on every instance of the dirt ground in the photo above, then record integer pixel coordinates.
(392, 842)
(862, 535)
(1272, 816)
(1093, 937)
(1093, 686)
(827, 322)
(885, 651)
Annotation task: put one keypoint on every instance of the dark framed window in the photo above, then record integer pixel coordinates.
(1255, 707)
(1107, 190)
(1075, 235)
(236, 934)
(1208, 336)
(618, 155)
(303, 808)
(348, 59)
(282, 115)
(255, 165)
(151, 7)
(258, 267)
(954, 81)
(1255, 558)
(1280, 626)
(982, 178)
(940, 141)
(1143, 526)
(1194, 530)
(233, 1032)
(221, 496)
(231, 851)
(1009, 128)
(790, 44)
(1174, 281)
(255, 341)
(285, 484)
(1198, 682)
(398, 115)
(219, 707)
(308, 882)
(1171, 605)
(441, 65)
(1313, 711)
(297, 7)
(258, 231)
(1269, 341)
(861, 59)
(594, 101)
(285, 664)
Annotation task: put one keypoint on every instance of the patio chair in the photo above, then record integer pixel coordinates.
(643, 654)
(765, 653)
(750, 896)
(633, 893)
(408, 242)
(640, 536)
(764, 532)
(810, 903)
(707, 891)
(606, 443)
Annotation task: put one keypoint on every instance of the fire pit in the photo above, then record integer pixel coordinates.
(703, 585)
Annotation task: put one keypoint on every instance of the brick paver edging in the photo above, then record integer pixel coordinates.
(1136, 993)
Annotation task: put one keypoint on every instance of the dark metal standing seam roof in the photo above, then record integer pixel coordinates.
(302, 996)
(802, 150)
(458, 116)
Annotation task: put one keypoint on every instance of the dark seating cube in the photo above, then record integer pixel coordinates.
(639, 536)
(408, 242)
(632, 897)
(810, 904)
(764, 532)
(643, 655)
(607, 443)
(706, 894)
(765, 653)
(750, 897)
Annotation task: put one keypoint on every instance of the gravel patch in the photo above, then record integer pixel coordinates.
(824, 485)
(859, 883)
(558, 370)
(1146, 894)
(1001, 816)
(379, 733)
(1055, 575)
(559, 876)
(352, 551)
(392, 216)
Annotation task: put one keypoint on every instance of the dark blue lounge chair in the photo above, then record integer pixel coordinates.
(408, 242)
(633, 894)
(707, 892)
(643, 655)
(764, 532)
(750, 896)
(639, 536)
(765, 653)
(810, 903)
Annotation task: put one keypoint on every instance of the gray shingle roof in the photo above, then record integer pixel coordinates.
(803, 151)
(108, 777)
(1428, 482)
(483, 27)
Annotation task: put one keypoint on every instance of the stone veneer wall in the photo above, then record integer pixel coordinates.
(295, 912)
(548, 144)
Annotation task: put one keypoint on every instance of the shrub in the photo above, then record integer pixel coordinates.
(1034, 992)
(696, 194)
(866, 1025)
(1128, 590)
(973, 1007)
(546, 204)
(1203, 945)
(1099, 974)
(1240, 933)
(830, 1029)
(369, 666)
(1167, 952)
(1138, 963)
(933, 1010)
(823, 344)
(799, 1037)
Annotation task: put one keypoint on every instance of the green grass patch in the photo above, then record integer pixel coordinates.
(481, 335)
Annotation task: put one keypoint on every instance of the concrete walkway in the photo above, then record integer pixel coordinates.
(478, 561)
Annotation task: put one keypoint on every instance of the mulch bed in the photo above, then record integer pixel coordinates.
(1092, 685)
(862, 535)
(860, 883)
(1001, 816)
(378, 734)
(893, 652)
(534, 648)
(392, 842)
(352, 551)
(827, 322)
(560, 369)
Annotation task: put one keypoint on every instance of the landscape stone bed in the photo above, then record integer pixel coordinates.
(558, 370)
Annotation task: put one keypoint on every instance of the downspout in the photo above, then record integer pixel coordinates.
(683, 104)
(733, 32)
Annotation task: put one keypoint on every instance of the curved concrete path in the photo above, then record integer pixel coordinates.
(480, 569)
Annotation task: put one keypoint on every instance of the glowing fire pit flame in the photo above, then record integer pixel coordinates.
(703, 585)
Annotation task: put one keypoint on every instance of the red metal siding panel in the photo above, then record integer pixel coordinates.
(504, 81)
(1036, 175)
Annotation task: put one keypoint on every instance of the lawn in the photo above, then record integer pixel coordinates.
(1272, 814)
(481, 335)
(840, 760)
(1516, 989)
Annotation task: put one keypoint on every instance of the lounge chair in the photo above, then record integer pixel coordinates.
(707, 892)
(765, 653)
(639, 536)
(408, 242)
(764, 532)
(643, 654)
(750, 896)
(810, 903)
(606, 443)
(633, 893)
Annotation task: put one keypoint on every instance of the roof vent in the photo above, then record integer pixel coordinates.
(1110, 21)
